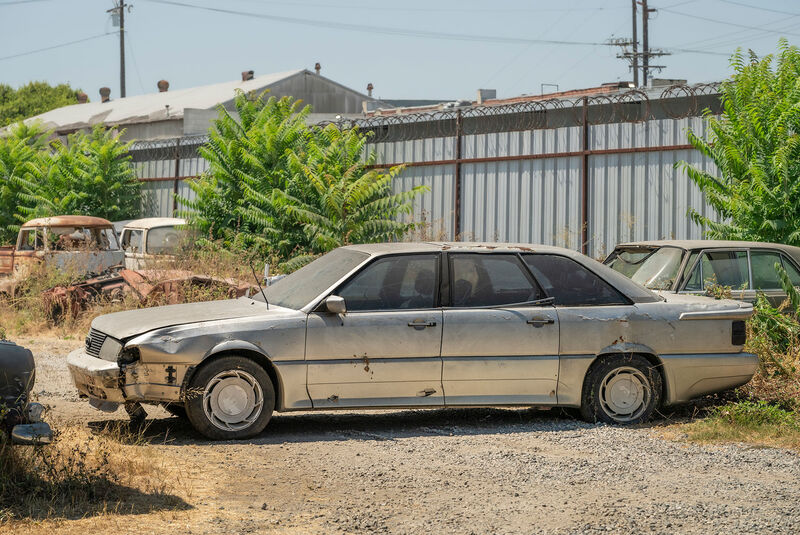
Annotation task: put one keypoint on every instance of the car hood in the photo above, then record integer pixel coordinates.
(122, 325)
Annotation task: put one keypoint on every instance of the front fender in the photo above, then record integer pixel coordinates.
(234, 345)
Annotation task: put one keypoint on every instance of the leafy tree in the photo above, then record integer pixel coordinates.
(340, 200)
(755, 145)
(20, 149)
(286, 189)
(247, 154)
(33, 99)
(90, 174)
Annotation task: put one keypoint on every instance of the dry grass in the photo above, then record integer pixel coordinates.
(83, 474)
(758, 423)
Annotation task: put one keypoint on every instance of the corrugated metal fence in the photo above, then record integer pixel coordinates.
(586, 175)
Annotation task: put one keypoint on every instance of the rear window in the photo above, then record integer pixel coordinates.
(570, 283)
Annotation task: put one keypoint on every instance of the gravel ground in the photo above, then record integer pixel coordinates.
(453, 471)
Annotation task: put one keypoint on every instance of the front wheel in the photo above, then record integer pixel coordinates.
(230, 398)
(621, 389)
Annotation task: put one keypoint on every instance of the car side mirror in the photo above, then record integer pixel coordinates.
(335, 304)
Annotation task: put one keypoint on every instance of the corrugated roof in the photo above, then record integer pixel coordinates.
(153, 106)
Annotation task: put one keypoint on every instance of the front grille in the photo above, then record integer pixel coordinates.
(94, 342)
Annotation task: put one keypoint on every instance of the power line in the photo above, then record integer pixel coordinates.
(21, 2)
(735, 25)
(428, 9)
(759, 8)
(53, 47)
(384, 30)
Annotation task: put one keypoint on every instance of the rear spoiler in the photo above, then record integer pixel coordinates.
(741, 313)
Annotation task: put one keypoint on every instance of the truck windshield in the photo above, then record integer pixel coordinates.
(307, 283)
(659, 270)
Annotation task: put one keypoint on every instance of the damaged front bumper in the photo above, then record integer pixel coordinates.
(96, 378)
(108, 385)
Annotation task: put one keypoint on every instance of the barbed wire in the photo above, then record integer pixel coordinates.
(675, 102)
(632, 106)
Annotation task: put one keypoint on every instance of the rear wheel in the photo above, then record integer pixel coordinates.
(621, 389)
(230, 398)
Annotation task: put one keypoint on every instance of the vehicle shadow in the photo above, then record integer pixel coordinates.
(370, 425)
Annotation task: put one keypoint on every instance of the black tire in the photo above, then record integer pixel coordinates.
(241, 373)
(176, 409)
(621, 390)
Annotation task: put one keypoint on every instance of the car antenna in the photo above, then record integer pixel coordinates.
(253, 270)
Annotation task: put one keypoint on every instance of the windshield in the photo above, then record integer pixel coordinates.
(627, 261)
(659, 270)
(307, 283)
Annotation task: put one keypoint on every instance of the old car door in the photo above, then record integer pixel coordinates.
(590, 312)
(385, 350)
(497, 347)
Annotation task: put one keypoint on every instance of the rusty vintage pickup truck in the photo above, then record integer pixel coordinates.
(82, 244)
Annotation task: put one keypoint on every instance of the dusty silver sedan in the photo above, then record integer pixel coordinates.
(420, 325)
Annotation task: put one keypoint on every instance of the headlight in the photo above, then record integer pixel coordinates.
(129, 355)
(110, 349)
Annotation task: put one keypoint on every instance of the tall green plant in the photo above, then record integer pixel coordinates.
(755, 145)
(340, 199)
(290, 190)
(90, 174)
(246, 154)
(21, 148)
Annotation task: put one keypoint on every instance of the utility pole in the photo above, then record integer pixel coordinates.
(122, 47)
(118, 19)
(635, 43)
(645, 44)
(632, 54)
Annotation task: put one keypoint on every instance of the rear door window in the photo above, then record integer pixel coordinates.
(763, 264)
(791, 270)
(570, 283)
(723, 268)
(481, 280)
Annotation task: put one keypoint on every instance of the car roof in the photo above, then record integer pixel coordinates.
(68, 221)
(460, 246)
(636, 292)
(152, 222)
(791, 250)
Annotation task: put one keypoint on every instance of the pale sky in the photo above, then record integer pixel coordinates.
(444, 49)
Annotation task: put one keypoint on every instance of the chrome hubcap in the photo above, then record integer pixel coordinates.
(233, 400)
(625, 394)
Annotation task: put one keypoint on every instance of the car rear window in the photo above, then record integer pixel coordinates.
(570, 283)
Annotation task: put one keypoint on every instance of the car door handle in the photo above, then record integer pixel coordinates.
(538, 322)
(418, 323)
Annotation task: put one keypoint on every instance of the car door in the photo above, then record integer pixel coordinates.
(496, 349)
(590, 314)
(385, 350)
